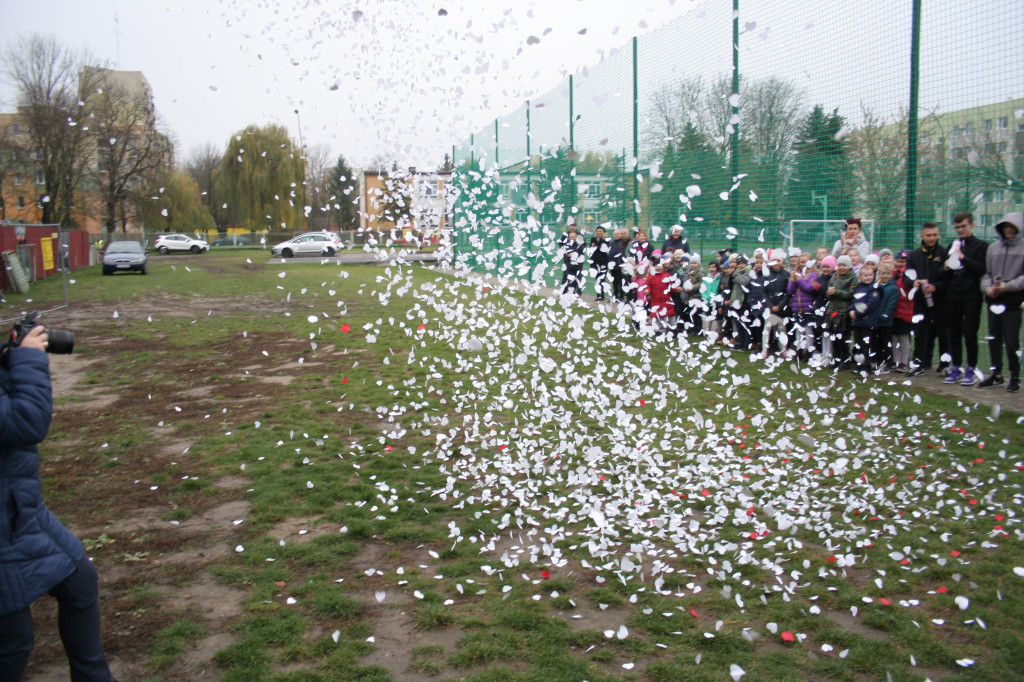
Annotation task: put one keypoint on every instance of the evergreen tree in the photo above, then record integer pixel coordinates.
(343, 196)
(821, 169)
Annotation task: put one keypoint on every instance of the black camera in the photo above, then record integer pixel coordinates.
(59, 341)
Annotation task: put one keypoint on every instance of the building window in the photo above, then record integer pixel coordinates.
(1002, 147)
(968, 129)
(37, 155)
(40, 180)
(956, 132)
(998, 195)
(988, 124)
(15, 130)
(21, 202)
(990, 149)
(18, 179)
(1003, 122)
(960, 153)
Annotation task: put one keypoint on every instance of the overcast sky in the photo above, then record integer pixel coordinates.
(407, 79)
(404, 78)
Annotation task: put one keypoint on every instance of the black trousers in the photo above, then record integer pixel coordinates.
(617, 278)
(1005, 328)
(599, 272)
(572, 279)
(78, 620)
(963, 320)
(927, 331)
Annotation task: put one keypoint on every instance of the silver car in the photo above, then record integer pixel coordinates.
(309, 244)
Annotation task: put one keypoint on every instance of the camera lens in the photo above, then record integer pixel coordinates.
(60, 341)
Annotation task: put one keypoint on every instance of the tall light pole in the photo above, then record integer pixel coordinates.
(572, 157)
(302, 159)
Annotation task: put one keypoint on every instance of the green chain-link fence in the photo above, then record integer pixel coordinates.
(837, 110)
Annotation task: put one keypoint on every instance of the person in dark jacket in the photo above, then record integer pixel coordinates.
(963, 271)
(616, 255)
(886, 316)
(1003, 284)
(599, 248)
(925, 268)
(864, 311)
(38, 555)
(572, 260)
(675, 241)
(776, 301)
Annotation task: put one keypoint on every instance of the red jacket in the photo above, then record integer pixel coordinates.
(904, 304)
(660, 286)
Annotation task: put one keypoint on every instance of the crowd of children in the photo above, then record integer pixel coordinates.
(845, 308)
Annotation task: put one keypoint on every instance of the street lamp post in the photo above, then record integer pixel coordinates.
(302, 159)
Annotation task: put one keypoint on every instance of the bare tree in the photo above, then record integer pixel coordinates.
(770, 118)
(878, 152)
(318, 171)
(49, 78)
(129, 148)
(670, 108)
(201, 164)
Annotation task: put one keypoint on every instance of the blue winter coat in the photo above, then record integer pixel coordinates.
(36, 551)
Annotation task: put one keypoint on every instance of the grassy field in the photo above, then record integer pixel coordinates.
(311, 472)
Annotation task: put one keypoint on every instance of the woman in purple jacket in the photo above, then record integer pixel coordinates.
(802, 289)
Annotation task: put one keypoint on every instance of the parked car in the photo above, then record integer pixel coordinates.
(309, 244)
(232, 240)
(124, 257)
(179, 242)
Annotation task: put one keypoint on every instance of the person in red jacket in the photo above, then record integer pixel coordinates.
(661, 309)
(903, 320)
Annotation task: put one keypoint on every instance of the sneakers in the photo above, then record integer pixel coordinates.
(994, 380)
(955, 376)
(900, 368)
(1014, 385)
(970, 377)
(916, 372)
(943, 368)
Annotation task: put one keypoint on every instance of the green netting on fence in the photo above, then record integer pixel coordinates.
(822, 127)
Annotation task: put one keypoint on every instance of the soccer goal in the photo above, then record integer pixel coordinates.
(810, 234)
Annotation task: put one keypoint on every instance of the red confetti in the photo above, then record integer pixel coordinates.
(954, 553)
(942, 589)
(693, 612)
(345, 328)
(345, 380)
(421, 327)
(883, 600)
(788, 636)
(545, 575)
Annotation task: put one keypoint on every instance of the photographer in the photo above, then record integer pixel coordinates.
(38, 555)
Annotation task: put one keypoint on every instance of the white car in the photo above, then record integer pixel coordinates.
(309, 244)
(179, 242)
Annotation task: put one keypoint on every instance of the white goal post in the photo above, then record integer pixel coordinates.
(810, 234)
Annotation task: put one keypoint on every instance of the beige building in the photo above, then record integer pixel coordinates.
(411, 200)
(21, 177)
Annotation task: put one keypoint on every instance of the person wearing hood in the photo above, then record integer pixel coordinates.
(852, 237)
(963, 271)
(1003, 286)
(675, 241)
